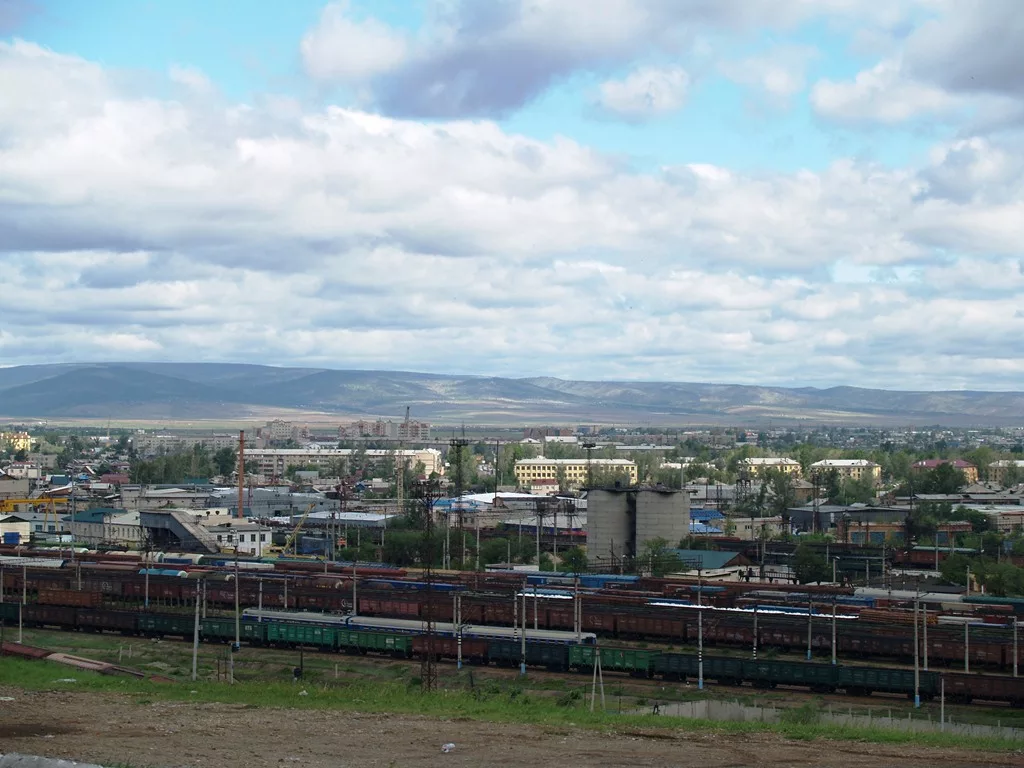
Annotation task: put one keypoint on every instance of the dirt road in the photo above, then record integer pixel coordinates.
(111, 729)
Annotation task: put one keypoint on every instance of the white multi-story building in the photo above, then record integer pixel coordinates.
(275, 462)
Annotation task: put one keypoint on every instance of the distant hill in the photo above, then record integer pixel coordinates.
(216, 390)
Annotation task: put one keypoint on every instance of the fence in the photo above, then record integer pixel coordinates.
(711, 709)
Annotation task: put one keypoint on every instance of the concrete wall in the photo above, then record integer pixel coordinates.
(661, 514)
(610, 532)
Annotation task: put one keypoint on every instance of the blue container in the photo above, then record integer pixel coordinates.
(12, 538)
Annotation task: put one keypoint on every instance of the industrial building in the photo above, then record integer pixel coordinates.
(620, 521)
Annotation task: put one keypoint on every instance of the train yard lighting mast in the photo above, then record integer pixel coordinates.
(700, 632)
(917, 667)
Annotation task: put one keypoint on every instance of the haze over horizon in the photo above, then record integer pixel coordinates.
(741, 192)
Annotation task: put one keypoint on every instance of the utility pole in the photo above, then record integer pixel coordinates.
(917, 671)
(241, 474)
(967, 647)
(195, 638)
(755, 632)
(457, 446)
(700, 632)
(522, 650)
(810, 618)
(428, 667)
(833, 630)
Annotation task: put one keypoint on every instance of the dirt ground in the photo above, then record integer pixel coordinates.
(111, 729)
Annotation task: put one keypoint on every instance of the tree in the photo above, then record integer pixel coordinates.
(945, 479)
(574, 560)
(226, 461)
(783, 496)
(809, 565)
(658, 557)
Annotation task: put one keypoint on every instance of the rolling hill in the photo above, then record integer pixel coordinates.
(216, 390)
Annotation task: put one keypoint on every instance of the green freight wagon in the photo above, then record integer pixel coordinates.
(361, 641)
(725, 670)
(292, 635)
(863, 681)
(508, 653)
(820, 678)
(160, 624)
(636, 661)
(676, 666)
(9, 613)
(222, 630)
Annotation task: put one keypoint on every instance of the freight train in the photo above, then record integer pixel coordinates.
(558, 652)
(610, 612)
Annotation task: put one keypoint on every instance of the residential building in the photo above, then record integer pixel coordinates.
(411, 431)
(249, 538)
(153, 445)
(849, 469)
(970, 471)
(574, 472)
(1006, 469)
(760, 466)
(280, 431)
(16, 441)
(275, 462)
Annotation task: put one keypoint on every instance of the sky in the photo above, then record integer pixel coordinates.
(777, 192)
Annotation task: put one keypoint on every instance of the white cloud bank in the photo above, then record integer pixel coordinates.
(157, 229)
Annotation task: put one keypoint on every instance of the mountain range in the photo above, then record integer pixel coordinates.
(163, 391)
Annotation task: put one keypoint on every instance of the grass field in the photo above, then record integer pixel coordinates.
(372, 685)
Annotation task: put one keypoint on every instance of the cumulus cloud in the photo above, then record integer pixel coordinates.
(779, 74)
(966, 58)
(645, 93)
(487, 59)
(881, 94)
(344, 50)
(156, 229)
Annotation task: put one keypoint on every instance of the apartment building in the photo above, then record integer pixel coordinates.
(1001, 471)
(575, 471)
(760, 466)
(16, 441)
(411, 431)
(279, 430)
(275, 462)
(970, 471)
(152, 445)
(849, 469)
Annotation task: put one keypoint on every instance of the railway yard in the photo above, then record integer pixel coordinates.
(658, 641)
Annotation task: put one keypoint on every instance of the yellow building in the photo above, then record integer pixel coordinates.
(760, 466)
(16, 441)
(925, 465)
(999, 471)
(850, 469)
(573, 470)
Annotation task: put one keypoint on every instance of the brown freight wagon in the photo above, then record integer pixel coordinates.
(70, 597)
(474, 650)
(93, 620)
(49, 615)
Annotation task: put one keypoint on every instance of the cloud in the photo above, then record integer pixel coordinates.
(645, 93)
(271, 233)
(489, 59)
(340, 49)
(881, 95)
(778, 74)
(964, 62)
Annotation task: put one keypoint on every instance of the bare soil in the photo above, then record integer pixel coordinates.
(111, 729)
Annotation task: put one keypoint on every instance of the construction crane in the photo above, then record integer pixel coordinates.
(293, 538)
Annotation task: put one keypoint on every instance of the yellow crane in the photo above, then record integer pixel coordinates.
(293, 538)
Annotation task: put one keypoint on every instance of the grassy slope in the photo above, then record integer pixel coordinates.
(491, 702)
